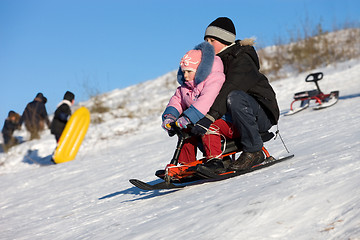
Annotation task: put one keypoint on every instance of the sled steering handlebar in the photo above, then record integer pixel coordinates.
(314, 77)
(182, 136)
(174, 129)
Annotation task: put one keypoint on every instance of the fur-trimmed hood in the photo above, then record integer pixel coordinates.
(206, 64)
(247, 42)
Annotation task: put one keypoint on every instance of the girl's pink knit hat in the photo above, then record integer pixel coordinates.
(191, 60)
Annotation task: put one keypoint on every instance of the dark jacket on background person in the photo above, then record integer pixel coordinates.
(246, 77)
(35, 116)
(62, 114)
(10, 125)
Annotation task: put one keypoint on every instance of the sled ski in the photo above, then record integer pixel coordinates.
(322, 100)
(204, 177)
(158, 186)
(296, 110)
(331, 100)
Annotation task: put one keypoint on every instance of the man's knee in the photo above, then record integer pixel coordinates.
(236, 98)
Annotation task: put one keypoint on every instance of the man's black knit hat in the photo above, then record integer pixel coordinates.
(221, 29)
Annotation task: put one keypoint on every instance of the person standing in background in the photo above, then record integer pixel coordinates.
(35, 116)
(62, 114)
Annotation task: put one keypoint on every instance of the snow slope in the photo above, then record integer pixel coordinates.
(315, 195)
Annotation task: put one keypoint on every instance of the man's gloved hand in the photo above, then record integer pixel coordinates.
(182, 122)
(202, 126)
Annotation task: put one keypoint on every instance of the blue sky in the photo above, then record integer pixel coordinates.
(95, 46)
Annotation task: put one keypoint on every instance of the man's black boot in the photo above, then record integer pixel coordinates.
(214, 165)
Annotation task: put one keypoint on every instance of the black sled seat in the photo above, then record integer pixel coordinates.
(306, 94)
(234, 145)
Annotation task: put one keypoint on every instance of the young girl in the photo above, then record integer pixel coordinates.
(200, 77)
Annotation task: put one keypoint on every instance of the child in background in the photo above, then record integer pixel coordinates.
(200, 77)
(10, 125)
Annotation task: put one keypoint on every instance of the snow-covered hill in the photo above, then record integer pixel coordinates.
(313, 196)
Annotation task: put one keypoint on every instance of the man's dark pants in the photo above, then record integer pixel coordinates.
(249, 118)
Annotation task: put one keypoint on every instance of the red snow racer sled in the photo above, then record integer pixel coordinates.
(322, 100)
(181, 173)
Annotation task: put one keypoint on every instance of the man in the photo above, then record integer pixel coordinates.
(35, 116)
(246, 95)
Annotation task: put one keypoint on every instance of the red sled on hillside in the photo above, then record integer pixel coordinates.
(322, 100)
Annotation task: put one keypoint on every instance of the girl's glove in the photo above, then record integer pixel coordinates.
(166, 123)
(182, 122)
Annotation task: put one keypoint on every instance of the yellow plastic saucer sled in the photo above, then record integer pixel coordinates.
(72, 136)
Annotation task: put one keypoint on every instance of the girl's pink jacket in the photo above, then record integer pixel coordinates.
(194, 100)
